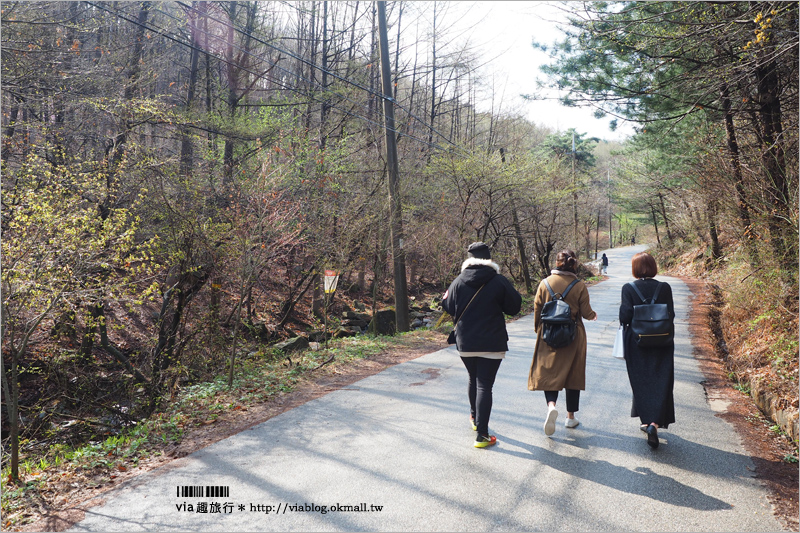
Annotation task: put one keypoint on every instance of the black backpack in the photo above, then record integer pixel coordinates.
(558, 327)
(651, 324)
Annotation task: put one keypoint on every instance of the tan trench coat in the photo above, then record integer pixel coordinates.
(563, 368)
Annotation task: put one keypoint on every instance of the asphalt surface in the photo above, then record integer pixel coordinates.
(393, 452)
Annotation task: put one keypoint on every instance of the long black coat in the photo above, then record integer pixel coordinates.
(651, 371)
(483, 327)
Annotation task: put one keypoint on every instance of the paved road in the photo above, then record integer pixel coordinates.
(397, 447)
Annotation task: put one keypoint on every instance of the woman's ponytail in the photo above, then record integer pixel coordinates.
(566, 260)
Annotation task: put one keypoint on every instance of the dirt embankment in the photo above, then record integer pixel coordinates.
(769, 449)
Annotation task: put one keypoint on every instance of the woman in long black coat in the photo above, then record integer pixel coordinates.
(651, 371)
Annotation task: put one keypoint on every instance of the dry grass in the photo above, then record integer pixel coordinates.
(757, 316)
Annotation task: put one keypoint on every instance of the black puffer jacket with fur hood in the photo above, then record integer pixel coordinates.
(483, 326)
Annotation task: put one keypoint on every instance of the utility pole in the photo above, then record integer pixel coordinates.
(395, 205)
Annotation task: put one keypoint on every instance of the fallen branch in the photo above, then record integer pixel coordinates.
(750, 274)
(331, 358)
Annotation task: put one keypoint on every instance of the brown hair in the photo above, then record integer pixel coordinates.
(643, 266)
(566, 260)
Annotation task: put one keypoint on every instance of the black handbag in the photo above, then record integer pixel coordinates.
(651, 324)
(451, 339)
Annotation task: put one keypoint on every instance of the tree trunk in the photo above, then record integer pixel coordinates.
(12, 405)
(324, 107)
(597, 234)
(362, 273)
(214, 303)
(523, 256)
(397, 48)
(136, 56)
(379, 262)
(12, 392)
(317, 301)
(432, 123)
(716, 248)
(664, 215)
(26, 132)
(9, 132)
(772, 158)
(232, 362)
(186, 141)
(291, 300)
(655, 224)
(372, 102)
(741, 197)
(227, 158)
(114, 147)
(312, 50)
(99, 312)
(87, 340)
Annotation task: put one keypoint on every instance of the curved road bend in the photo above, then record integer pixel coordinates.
(393, 452)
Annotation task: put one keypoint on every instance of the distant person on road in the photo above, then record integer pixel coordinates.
(481, 335)
(554, 369)
(605, 264)
(651, 371)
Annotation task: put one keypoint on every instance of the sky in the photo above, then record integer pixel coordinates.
(505, 29)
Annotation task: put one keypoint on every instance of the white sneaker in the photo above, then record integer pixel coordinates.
(571, 423)
(550, 421)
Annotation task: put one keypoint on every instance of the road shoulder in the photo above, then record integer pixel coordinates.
(766, 448)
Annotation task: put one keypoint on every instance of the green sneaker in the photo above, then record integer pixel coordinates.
(472, 421)
(484, 441)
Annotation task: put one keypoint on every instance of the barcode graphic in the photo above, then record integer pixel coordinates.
(217, 492)
(189, 491)
(198, 491)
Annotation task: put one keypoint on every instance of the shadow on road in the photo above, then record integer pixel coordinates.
(640, 481)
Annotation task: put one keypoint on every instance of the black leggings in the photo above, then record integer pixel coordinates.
(573, 398)
(482, 372)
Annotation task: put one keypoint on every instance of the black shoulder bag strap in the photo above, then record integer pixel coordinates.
(644, 300)
(465, 309)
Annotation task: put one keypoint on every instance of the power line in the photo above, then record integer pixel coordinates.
(218, 58)
(331, 73)
(247, 52)
(262, 76)
(281, 50)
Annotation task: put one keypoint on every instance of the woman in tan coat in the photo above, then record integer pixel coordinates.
(554, 369)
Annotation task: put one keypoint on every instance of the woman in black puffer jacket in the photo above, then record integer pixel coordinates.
(478, 299)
